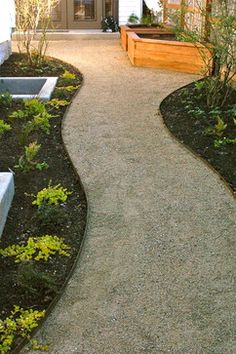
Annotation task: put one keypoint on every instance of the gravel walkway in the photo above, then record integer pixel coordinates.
(156, 272)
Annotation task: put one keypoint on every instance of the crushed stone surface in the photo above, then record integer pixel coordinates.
(156, 274)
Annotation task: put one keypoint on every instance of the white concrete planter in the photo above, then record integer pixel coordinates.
(28, 87)
(6, 195)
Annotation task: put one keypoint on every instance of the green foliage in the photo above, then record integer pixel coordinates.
(50, 215)
(133, 18)
(218, 143)
(69, 88)
(56, 103)
(20, 323)
(52, 195)
(32, 108)
(35, 118)
(147, 20)
(232, 111)
(68, 75)
(197, 112)
(199, 85)
(4, 127)
(27, 161)
(34, 281)
(219, 127)
(218, 47)
(6, 100)
(37, 248)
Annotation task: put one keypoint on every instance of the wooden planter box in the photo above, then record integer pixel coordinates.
(170, 55)
(124, 30)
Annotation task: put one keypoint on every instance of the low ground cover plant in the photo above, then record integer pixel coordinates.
(20, 323)
(34, 268)
(36, 248)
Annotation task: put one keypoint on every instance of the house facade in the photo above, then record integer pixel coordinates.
(87, 14)
(7, 22)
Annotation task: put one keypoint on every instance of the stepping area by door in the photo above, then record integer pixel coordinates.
(155, 274)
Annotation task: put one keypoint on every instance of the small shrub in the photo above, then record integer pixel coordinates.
(37, 248)
(56, 103)
(4, 127)
(6, 100)
(52, 195)
(27, 161)
(20, 323)
(32, 108)
(133, 19)
(34, 116)
(34, 281)
(68, 75)
(218, 128)
(69, 88)
(50, 215)
(109, 24)
(218, 143)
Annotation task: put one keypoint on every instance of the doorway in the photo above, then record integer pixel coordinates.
(83, 14)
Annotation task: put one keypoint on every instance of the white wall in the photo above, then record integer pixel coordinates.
(127, 7)
(7, 21)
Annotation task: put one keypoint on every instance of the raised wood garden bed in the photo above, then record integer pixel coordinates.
(165, 54)
(141, 29)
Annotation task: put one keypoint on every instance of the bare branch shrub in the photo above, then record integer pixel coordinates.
(32, 15)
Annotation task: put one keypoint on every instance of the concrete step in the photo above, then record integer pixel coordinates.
(63, 35)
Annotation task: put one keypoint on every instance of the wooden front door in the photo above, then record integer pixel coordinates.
(82, 14)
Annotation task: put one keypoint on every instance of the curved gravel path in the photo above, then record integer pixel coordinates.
(156, 272)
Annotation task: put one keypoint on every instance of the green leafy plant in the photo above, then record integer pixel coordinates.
(32, 108)
(52, 195)
(197, 112)
(27, 161)
(219, 127)
(50, 216)
(35, 117)
(147, 19)
(199, 85)
(133, 19)
(69, 88)
(48, 201)
(56, 103)
(34, 281)
(68, 75)
(4, 127)
(6, 100)
(20, 323)
(221, 142)
(216, 36)
(232, 111)
(37, 248)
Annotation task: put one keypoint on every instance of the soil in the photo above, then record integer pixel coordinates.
(22, 221)
(162, 37)
(152, 25)
(192, 122)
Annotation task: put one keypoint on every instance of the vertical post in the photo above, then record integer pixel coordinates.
(207, 19)
(165, 11)
(182, 13)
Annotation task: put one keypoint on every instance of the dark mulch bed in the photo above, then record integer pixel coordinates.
(187, 116)
(161, 37)
(21, 221)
